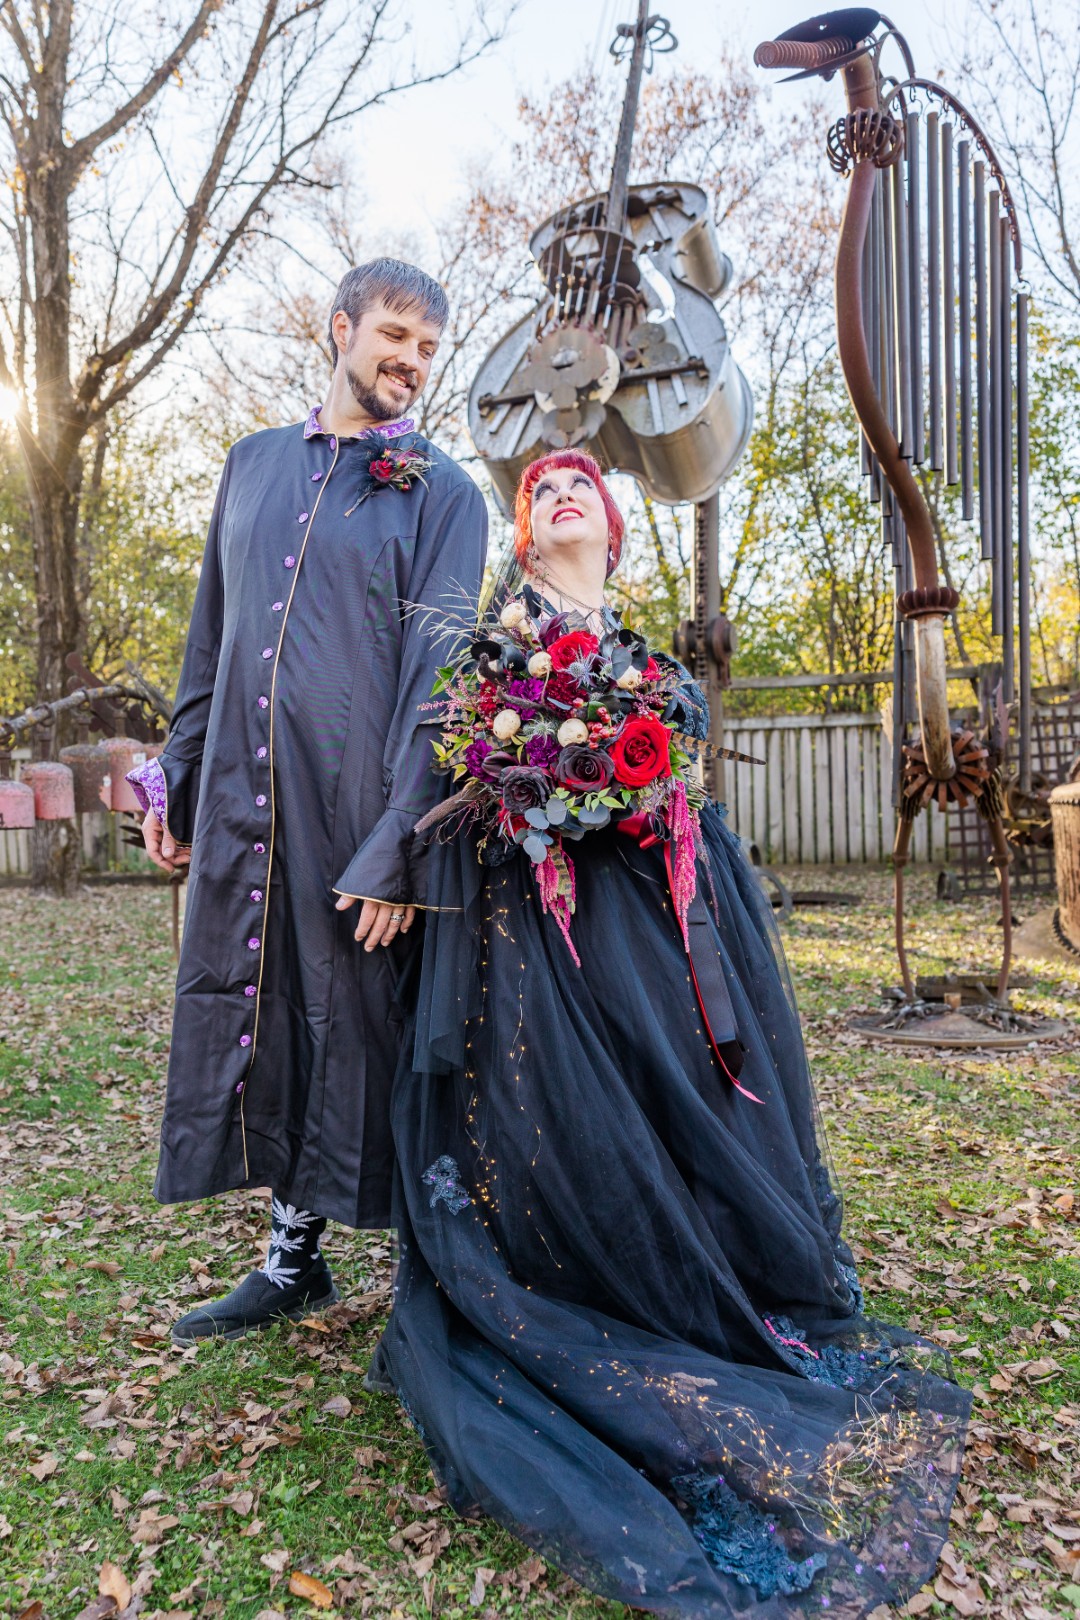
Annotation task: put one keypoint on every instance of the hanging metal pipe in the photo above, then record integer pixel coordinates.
(914, 224)
(933, 295)
(1005, 463)
(967, 442)
(982, 367)
(948, 293)
(902, 294)
(994, 434)
(1023, 537)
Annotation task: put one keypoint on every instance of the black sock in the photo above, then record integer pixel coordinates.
(294, 1242)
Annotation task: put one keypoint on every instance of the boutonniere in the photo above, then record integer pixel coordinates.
(392, 466)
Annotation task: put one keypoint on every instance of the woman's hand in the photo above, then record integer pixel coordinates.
(380, 920)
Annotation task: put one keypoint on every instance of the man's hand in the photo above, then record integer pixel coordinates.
(380, 920)
(161, 846)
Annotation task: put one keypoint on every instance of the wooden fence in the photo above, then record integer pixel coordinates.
(824, 797)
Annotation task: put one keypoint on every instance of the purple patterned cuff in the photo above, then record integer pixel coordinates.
(148, 782)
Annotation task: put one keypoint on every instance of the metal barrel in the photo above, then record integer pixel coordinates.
(912, 147)
(967, 441)
(1023, 537)
(948, 297)
(933, 283)
(1005, 482)
(902, 306)
(982, 400)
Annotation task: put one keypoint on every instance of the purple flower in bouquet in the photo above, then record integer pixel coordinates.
(542, 752)
(524, 788)
(528, 687)
(583, 769)
(475, 755)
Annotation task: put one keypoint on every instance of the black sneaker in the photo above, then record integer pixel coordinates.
(258, 1303)
(377, 1380)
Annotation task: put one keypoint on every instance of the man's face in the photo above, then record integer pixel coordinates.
(387, 356)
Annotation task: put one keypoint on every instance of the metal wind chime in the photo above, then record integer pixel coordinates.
(932, 326)
(625, 354)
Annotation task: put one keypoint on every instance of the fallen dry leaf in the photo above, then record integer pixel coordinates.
(47, 1467)
(338, 1406)
(112, 1582)
(306, 1586)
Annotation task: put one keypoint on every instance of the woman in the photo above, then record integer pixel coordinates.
(625, 1323)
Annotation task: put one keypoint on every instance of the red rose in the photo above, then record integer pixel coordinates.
(383, 469)
(651, 672)
(576, 644)
(640, 751)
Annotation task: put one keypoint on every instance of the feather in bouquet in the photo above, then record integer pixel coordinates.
(557, 732)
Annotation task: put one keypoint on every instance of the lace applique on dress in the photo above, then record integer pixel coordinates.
(741, 1539)
(843, 1369)
(445, 1179)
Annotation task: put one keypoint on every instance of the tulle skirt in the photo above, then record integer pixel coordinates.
(625, 1324)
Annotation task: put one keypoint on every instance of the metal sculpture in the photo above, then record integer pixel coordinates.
(933, 346)
(626, 355)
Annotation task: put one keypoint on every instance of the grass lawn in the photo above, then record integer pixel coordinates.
(257, 1478)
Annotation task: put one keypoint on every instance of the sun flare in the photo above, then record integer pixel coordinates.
(9, 404)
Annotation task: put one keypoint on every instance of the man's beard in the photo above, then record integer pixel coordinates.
(369, 401)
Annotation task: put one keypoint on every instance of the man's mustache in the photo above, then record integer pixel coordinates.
(409, 378)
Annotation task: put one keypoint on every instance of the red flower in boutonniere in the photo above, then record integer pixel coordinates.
(392, 467)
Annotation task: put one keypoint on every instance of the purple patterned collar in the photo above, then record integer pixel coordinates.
(313, 428)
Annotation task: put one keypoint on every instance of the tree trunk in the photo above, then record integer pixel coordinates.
(55, 850)
(1065, 816)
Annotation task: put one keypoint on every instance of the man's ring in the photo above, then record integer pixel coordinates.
(397, 916)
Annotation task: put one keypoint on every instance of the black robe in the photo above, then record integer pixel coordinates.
(298, 763)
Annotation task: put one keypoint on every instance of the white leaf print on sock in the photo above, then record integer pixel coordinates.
(281, 1276)
(288, 1215)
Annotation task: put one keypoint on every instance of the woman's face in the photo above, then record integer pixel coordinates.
(568, 518)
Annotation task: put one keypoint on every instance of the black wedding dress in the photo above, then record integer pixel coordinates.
(625, 1323)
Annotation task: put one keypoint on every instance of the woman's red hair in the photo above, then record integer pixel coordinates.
(580, 461)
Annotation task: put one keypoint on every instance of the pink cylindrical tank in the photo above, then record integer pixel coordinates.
(89, 764)
(54, 790)
(16, 805)
(124, 755)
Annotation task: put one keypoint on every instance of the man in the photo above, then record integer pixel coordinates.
(296, 768)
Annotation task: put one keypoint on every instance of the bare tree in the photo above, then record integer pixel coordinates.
(1024, 61)
(143, 152)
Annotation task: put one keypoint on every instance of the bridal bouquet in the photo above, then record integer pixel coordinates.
(556, 732)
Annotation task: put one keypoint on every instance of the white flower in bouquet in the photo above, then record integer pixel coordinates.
(512, 615)
(572, 731)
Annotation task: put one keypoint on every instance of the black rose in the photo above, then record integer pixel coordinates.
(523, 788)
(584, 770)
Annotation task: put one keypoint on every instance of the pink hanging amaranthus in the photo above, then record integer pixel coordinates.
(683, 827)
(558, 893)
